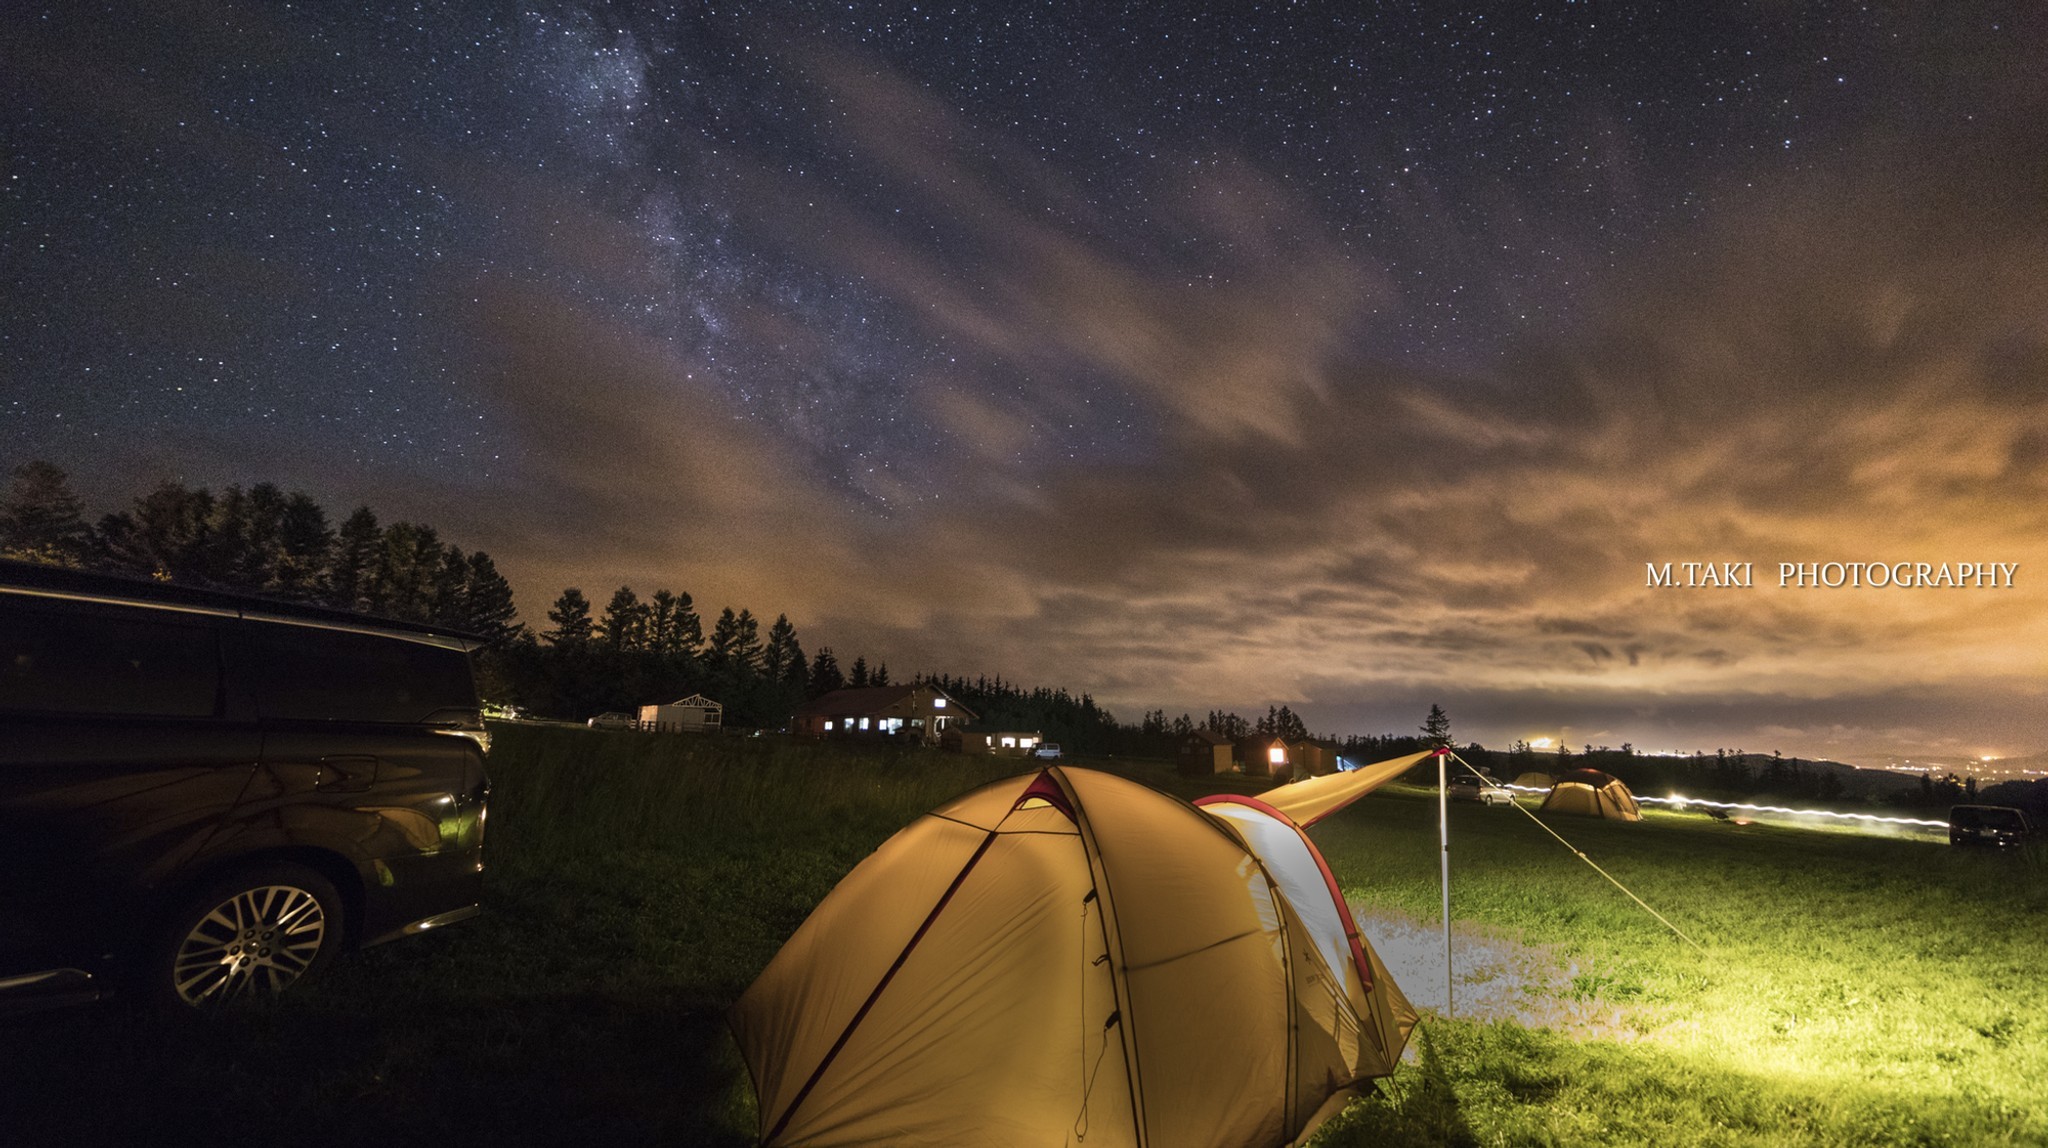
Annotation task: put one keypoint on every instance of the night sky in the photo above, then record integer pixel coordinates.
(1353, 357)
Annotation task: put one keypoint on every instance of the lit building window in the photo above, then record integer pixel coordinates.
(938, 703)
(1026, 742)
(864, 725)
(828, 725)
(1278, 755)
(1009, 743)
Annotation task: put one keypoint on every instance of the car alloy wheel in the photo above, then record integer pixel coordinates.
(253, 937)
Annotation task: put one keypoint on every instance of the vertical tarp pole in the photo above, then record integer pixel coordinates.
(1443, 833)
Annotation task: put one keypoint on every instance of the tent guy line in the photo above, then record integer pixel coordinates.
(1580, 854)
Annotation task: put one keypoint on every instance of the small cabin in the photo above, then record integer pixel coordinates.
(1311, 758)
(1205, 753)
(1263, 755)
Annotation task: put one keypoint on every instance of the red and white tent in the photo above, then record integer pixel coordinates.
(1069, 957)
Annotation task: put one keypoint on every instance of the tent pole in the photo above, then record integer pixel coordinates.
(1443, 832)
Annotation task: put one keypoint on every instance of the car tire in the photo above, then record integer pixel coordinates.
(243, 938)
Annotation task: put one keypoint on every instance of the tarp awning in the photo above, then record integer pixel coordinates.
(1307, 802)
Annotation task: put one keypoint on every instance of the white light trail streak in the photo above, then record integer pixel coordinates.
(1677, 802)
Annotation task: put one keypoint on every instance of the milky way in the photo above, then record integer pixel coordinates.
(1312, 353)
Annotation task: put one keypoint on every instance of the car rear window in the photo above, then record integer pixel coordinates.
(1977, 817)
(304, 672)
(107, 660)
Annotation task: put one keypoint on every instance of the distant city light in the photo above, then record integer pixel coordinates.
(1540, 743)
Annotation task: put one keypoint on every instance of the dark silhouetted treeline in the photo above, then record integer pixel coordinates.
(639, 652)
(2031, 796)
(261, 540)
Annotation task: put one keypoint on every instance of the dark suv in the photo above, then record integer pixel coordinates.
(1994, 825)
(204, 796)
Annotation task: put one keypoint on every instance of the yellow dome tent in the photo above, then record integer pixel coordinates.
(1591, 793)
(1068, 957)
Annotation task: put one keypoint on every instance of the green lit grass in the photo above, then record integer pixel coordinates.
(1853, 990)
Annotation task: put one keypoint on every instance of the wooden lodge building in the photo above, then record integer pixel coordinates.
(919, 713)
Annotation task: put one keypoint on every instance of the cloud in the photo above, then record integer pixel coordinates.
(1836, 366)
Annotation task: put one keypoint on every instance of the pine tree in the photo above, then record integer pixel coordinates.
(796, 676)
(352, 578)
(777, 655)
(661, 622)
(571, 616)
(163, 536)
(858, 679)
(625, 622)
(450, 592)
(881, 675)
(825, 675)
(689, 629)
(725, 636)
(304, 544)
(1436, 729)
(39, 520)
(746, 642)
(263, 510)
(409, 567)
(488, 609)
(226, 558)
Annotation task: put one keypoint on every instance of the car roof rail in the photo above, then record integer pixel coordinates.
(37, 580)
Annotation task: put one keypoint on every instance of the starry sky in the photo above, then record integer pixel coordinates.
(1347, 356)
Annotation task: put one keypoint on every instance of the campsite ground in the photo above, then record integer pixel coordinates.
(1851, 990)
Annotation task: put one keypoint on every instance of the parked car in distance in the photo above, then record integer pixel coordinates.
(1047, 749)
(611, 721)
(205, 797)
(1485, 789)
(1998, 826)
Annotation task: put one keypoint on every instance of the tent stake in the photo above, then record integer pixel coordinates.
(1443, 832)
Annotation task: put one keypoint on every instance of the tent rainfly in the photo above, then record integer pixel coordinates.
(1591, 793)
(1067, 957)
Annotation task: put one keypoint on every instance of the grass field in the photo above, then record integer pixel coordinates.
(1851, 990)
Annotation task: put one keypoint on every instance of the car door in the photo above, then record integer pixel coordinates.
(355, 763)
(121, 749)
